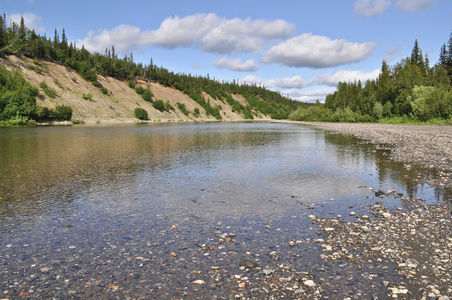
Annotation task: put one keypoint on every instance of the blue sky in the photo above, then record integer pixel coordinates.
(301, 48)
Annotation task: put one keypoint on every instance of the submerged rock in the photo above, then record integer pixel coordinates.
(249, 264)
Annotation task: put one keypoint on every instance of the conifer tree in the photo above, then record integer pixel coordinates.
(2, 32)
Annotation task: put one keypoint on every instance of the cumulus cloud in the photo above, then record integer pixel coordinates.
(413, 5)
(314, 51)
(236, 65)
(208, 32)
(252, 79)
(125, 38)
(235, 35)
(295, 82)
(344, 76)
(309, 96)
(370, 8)
(181, 32)
(31, 21)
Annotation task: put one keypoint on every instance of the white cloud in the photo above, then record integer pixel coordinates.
(393, 52)
(309, 96)
(314, 51)
(295, 82)
(413, 5)
(209, 32)
(252, 79)
(370, 8)
(31, 21)
(125, 38)
(235, 35)
(181, 32)
(236, 65)
(344, 76)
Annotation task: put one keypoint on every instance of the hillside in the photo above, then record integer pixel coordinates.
(118, 104)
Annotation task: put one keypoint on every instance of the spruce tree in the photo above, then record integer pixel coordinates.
(2, 32)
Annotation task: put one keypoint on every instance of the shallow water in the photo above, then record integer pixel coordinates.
(138, 210)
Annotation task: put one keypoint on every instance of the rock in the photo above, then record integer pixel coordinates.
(267, 272)
(310, 283)
(249, 264)
(199, 282)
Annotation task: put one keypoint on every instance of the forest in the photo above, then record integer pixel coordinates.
(409, 92)
(18, 98)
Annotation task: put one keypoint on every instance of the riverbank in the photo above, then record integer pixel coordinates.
(380, 243)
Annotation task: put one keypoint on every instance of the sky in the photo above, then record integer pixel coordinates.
(300, 48)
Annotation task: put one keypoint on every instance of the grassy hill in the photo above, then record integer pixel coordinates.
(114, 100)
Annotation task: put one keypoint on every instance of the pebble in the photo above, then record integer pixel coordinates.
(199, 282)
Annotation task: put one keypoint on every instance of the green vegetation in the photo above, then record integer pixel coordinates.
(62, 113)
(18, 102)
(159, 105)
(88, 96)
(183, 108)
(47, 90)
(140, 113)
(409, 92)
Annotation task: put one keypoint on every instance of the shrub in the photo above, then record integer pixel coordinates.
(139, 90)
(58, 83)
(168, 106)
(140, 113)
(63, 113)
(147, 95)
(196, 112)
(159, 105)
(47, 90)
(88, 96)
(182, 108)
(43, 113)
(104, 91)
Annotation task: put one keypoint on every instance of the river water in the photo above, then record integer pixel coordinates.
(146, 210)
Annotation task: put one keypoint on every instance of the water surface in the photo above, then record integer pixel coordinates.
(138, 210)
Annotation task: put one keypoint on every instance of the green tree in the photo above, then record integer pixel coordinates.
(140, 113)
(159, 105)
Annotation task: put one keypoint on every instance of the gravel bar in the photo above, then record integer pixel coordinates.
(403, 252)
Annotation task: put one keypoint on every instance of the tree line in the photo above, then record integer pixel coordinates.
(17, 39)
(409, 91)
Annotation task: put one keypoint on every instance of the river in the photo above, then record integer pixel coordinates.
(147, 210)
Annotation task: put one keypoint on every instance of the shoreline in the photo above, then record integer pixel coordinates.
(415, 243)
(429, 146)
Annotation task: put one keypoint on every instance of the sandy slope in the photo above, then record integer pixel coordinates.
(119, 104)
